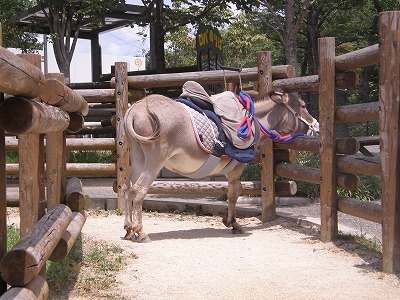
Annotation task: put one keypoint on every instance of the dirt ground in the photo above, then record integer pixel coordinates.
(196, 257)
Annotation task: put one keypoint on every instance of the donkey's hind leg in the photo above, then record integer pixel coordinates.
(234, 190)
(139, 190)
(137, 157)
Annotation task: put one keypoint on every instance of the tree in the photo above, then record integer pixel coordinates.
(243, 38)
(180, 48)
(164, 18)
(282, 21)
(65, 18)
(14, 37)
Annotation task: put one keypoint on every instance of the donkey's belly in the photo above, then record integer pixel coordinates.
(185, 164)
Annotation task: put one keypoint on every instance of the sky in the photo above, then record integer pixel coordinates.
(124, 41)
(123, 44)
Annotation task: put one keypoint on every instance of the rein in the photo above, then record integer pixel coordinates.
(244, 127)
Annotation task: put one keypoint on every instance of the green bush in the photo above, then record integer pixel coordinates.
(90, 156)
(251, 172)
(368, 190)
(11, 157)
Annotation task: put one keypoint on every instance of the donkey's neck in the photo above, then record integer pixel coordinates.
(262, 110)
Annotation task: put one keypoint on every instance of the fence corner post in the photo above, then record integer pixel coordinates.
(121, 106)
(389, 95)
(267, 147)
(327, 151)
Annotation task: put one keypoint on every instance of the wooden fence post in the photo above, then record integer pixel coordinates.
(3, 204)
(3, 201)
(328, 185)
(31, 159)
(55, 160)
(121, 104)
(389, 95)
(267, 147)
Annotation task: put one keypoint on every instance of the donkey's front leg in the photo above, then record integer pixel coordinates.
(234, 190)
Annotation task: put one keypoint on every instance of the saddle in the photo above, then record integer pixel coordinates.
(225, 113)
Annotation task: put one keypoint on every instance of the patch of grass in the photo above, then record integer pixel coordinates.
(89, 270)
(12, 236)
(90, 156)
(370, 250)
(373, 245)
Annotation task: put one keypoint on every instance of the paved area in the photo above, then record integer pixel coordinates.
(102, 196)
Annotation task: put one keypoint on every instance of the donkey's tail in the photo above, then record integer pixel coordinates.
(129, 124)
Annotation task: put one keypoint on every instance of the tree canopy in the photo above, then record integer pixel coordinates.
(65, 18)
(14, 37)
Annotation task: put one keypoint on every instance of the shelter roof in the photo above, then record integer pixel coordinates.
(122, 15)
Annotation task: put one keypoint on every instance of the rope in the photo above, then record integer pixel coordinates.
(244, 127)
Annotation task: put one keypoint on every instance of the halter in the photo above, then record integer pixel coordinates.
(297, 117)
(244, 128)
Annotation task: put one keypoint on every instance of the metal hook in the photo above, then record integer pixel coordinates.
(223, 68)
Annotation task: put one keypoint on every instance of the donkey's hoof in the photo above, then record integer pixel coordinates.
(225, 221)
(141, 238)
(129, 234)
(237, 229)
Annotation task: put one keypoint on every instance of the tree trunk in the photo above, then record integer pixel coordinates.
(313, 34)
(290, 35)
(159, 32)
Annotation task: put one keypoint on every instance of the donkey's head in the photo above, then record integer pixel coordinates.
(287, 113)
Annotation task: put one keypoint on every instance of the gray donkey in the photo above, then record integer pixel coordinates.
(160, 134)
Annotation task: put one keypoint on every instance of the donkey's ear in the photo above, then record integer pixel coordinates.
(279, 97)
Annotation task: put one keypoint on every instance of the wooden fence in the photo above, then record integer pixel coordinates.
(40, 109)
(339, 164)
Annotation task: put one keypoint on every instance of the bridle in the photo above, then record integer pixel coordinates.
(244, 129)
(297, 117)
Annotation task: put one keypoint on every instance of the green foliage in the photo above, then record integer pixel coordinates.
(306, 189)
(251, 172)
(369, 189)
(180, 48)
(90, 156)
(244, 38)
(14, 37)
(11, 157)
(12, 236)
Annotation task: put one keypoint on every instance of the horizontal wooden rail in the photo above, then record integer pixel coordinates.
(361, 209)
(58, 94)
(28, 256)
(358, 59)
(76, 170)
(311, 144)
(19, 77)
(108, 95)
(35, 289)
(19, 115)
(310, 83)
(69, 237)
(361, 112)
(358, 164)
(74, 144)
(202, 77)
(313, 175)
(282, 188)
